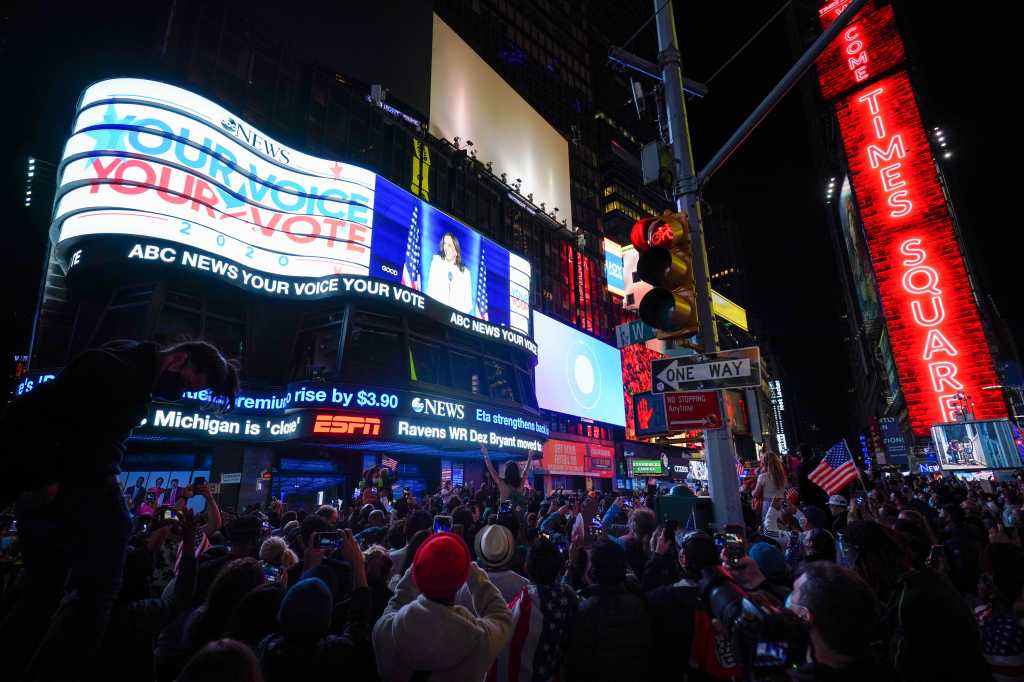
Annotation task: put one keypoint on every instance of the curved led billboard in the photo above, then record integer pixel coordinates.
(151, 161)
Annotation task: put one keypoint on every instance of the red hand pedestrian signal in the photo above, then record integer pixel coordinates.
(644, 413)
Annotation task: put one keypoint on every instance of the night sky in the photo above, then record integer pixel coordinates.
(770, 184)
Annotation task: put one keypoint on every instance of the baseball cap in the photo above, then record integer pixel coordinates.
(837, 501)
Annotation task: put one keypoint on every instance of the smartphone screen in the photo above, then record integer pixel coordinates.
(170, 515)
(271, 573)
(330, 540)
(505, 507)
(442, 524)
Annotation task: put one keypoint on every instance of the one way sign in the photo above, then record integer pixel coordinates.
(729, 369)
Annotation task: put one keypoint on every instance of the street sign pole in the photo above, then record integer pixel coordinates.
(718, 444)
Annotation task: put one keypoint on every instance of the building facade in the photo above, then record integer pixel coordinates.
(353, 359)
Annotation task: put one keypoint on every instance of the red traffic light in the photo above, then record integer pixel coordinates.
(638, 235)
(669, 231)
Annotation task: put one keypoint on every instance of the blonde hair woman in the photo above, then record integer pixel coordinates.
(771, 482)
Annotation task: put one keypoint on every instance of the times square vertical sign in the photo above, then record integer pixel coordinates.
(933, 320)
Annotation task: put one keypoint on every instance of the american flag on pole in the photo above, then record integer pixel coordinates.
(739, 468)
(411, 271)
(481, 284)
(836, 469)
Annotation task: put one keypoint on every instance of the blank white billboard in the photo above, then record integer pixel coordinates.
(469, 100)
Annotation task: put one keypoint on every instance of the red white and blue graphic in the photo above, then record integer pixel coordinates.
(148, 160)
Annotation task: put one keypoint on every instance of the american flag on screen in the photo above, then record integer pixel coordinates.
(481, 284)
(836, 469)
(411, 271)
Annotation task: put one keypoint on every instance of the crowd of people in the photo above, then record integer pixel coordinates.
(906, 577)
(916, 578)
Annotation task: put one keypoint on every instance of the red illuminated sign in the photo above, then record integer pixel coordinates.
(934, 325)
(867, 47)
(346, 424)
(692, 410)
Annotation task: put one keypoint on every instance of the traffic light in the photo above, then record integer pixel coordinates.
(666, 263)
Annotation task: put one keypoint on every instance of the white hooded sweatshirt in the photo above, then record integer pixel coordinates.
(416, 633)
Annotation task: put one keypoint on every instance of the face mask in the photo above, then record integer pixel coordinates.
(169, 385)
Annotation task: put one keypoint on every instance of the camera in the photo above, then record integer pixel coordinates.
(767, 643)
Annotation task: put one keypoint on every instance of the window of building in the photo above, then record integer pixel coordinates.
(501, 381)
(375, 355)
(467, 372)
(316, 353)
(427, 361)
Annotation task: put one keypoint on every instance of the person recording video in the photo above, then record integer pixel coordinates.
(449, 280)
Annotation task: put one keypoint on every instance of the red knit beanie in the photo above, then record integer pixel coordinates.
(441, 566)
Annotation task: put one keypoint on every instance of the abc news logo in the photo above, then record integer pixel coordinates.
(438, 408)
(344, 424)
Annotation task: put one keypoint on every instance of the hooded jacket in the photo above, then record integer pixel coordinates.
(418, 634)
(611, 638)
(304, 650)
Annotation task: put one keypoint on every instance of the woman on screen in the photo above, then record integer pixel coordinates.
(449, 280)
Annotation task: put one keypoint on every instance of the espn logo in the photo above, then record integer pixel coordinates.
(347, 424)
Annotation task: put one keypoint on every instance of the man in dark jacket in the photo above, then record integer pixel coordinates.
(611, 639)
(304, 649)
(680, 621)
(841, 611)
(136, 493)
(65, 442)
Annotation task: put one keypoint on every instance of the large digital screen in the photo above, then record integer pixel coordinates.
(976, 445)
(149, 160)
(577, 374)
(470, 101)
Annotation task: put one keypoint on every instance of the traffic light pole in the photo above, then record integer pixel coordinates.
(721, 456)
(718, 444)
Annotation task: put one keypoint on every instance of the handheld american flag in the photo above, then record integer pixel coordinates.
(481, 285)
(836, 469)
(411, 271)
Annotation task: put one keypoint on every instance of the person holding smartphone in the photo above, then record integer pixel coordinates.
(304, 641)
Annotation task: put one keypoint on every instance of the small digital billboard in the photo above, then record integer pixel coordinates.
(985, 444)
(576, 374)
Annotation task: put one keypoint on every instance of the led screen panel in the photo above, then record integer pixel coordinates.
(577, 374)
(976, 445)
(149, 160)
(470, 101)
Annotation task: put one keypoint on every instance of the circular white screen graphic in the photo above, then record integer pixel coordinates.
(583, 375)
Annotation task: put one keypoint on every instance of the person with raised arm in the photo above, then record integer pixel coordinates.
(511, 486)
